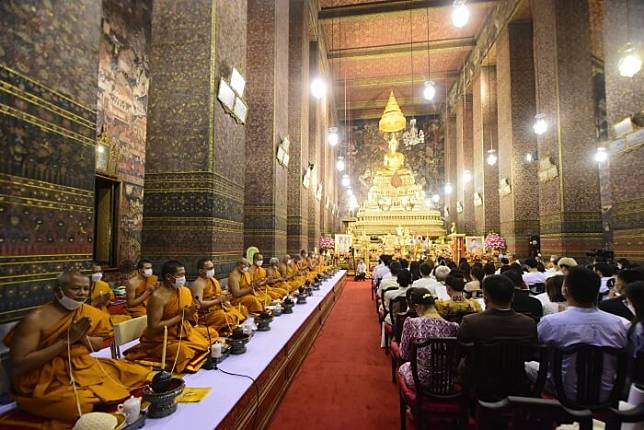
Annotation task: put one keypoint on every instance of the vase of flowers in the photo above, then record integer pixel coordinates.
(494, 242)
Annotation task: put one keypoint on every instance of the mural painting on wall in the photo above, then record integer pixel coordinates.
(123, 81)
(367, 149)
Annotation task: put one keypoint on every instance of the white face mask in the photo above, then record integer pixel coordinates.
(179, 282)
(210, 273)
(258, 263)
(290, 262)
(97, 276)
(147, 273)
(68, 303)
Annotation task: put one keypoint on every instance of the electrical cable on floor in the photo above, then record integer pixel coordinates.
(254, 385)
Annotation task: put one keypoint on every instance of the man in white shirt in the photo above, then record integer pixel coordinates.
(533, 276)
(426, 281)
(392, 279)
(382, 270)
(441, 273)
(361, 271)
(606, 272)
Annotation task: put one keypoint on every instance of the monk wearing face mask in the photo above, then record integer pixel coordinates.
(240, 283)
(101, 294)
(52, 344)
(139, 288)
(261, 281)
(215, 309)
(171, 306)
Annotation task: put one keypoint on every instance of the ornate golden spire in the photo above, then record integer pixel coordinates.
(392, 119)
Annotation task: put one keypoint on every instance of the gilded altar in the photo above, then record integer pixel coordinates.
(395, 218)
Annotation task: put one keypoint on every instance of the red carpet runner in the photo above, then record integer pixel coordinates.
(345, 381)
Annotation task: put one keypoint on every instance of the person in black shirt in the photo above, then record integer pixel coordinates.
(523, 302)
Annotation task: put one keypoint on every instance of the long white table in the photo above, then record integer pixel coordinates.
(228, 390)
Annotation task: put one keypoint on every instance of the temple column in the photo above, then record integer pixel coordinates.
(486, 177)
(569, 200)
(265, 204)
(518, 200)
(464, 189)
(316, 138)
(194, 168)
(623, 99)
(298, 126)
(449, 203)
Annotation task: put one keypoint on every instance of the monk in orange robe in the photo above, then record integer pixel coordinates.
(51, 346)
(241, 288)
(299, 272)
(274, 275)
(260, 279)
(288, 274)
(139, 288)
(171, 306)
(101, 295)
(215, 309)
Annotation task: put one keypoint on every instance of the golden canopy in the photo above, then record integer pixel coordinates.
(392, 119)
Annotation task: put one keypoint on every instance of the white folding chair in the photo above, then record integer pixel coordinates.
(127, 331)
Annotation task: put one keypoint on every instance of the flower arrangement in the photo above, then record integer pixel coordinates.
(494, 241)
(327, 242)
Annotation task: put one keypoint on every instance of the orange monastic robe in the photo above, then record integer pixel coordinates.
(281, 285)
(187, 343)
(139, 310)
(221, 318)
(274, 292)
(253, 301)
(298, 280)
(99, 289)
(46, 391)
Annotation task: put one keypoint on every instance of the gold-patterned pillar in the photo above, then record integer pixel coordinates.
(569, 200)
(464, 187)
(517, 182)
(449, 203)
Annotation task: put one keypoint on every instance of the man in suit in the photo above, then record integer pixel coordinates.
(522, 301)
(498, 319)
(620, 305)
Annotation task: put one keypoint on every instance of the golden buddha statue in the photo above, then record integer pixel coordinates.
(392, 122)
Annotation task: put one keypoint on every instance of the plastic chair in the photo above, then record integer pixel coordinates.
(439, 395)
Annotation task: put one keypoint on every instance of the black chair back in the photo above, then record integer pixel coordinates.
(537, 288)
(457, 317)
(397, 305)
(637, 371)
(498, 368)
(442, 356)
(589, 362)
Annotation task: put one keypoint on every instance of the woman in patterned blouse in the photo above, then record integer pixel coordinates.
(429, 323)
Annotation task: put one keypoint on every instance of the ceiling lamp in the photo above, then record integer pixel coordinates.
(467, 176)
(540, 125)
(460, 14)
(448, 188)
(340, 165)
(318, 88)
(436, 198)
(428, 202)
(430, 90)
(601, 155)
(353, 203)
(630, 63)
(491, 157)
(345, 181)
(332, 136)
(529, 157)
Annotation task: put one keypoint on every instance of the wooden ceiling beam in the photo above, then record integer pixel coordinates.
(385, 7)
(403, 48)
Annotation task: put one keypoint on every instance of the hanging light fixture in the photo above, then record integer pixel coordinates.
(601, 156)
(448, 188)
(491, 157)
(340, 164)
(630, 62)
(318, 88)
(460, 14)
(529, 157)
(467, 176)
(332, 137)
(345, 181)
(540, 125)
(430, 90)
(436, 198)
(413, 136)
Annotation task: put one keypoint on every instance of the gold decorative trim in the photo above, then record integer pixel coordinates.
(43, 185)
(45, 125)
(212, 90)
(31, 202)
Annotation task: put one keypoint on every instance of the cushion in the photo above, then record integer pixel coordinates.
(430, 406)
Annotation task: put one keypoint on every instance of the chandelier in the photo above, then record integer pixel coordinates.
(413, 136)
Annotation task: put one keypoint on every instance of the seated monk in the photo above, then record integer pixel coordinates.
(139, 288)
(101, 295)
(274, 275)
(171, 306)
(241, 288)
(215, 309)
(299, 272)
(286, 270)
(260, 280)
(51, 347)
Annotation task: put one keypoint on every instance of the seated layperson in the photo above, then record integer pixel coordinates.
(533, 276)
(260, 279)
(171, 306)
(215, 309)
(139, 288)
(523, 302)
(361, 271)
(403, 281)
(390, 281)
(556, 302)
(498, 319)
(429, 323)
(583, 323)
(52, 345)
(241, 288)
(606, 272)
(426, 280)
(101, 295)
(457, 305)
